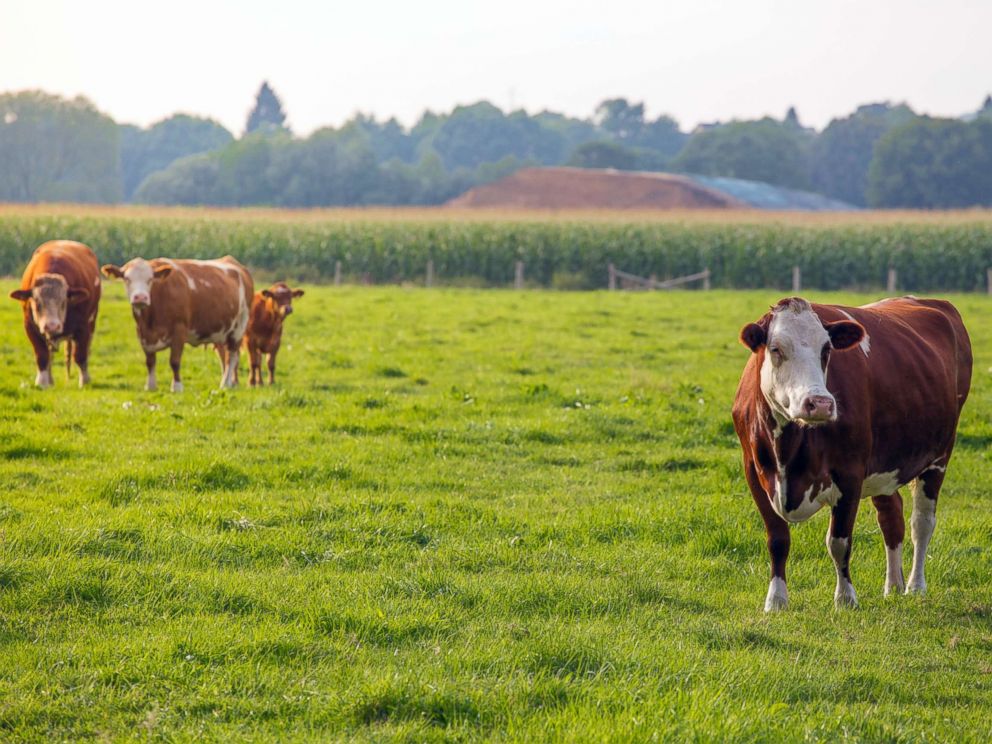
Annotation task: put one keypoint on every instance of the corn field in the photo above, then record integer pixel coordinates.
(930, 251)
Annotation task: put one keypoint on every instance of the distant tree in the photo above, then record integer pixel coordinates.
(792, 118)
(54, 149)
(763, 150)
(144, 151)
(986, 109)
(933, 163)
(267, 115)
(603, 154)
(842, 153)
(189, 180)
(625, 124)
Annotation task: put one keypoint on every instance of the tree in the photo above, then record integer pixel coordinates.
(603, 155)
(189, 180)
(625, 124)
(842, 153)
(267, 115)
(144, 151)
(933, 163)
(54, 149)
(792, 118)
(763, 150)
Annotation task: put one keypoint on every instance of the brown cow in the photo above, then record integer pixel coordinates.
(178, 301)
(60, 292)
(269, 309)
(839, 403)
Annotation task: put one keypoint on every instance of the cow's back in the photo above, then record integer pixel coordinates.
(75, 261)
(216, 297)
(908, 379)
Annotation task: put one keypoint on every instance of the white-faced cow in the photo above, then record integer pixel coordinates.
(269, 309)
(839, 403)
(178, 301)
(60, 292)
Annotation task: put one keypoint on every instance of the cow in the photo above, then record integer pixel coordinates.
(836, 404)
(269, 309)
(181, 301)
(60, 294)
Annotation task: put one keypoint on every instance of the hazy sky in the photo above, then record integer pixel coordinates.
(697, 60)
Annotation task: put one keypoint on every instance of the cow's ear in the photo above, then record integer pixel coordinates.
(21, 295)
(112, 272)
(845, 333)
(161, 272)
(753, 336)
(266, 293)
(77, 295)
(297, 293)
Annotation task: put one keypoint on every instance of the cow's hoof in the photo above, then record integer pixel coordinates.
(778, 596)
(846, 600)
(894, 590)
(177, 387)
(919, 588)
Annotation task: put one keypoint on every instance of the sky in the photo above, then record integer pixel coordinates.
(696, 60)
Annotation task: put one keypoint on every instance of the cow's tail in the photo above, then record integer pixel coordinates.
(68, 358)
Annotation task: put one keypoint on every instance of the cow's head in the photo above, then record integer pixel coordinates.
(49, 299)
(138, 276)
(280, 297)
(797, 347)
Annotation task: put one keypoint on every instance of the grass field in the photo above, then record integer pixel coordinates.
(461, 515)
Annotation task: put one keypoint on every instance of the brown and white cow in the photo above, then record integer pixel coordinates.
(841, 403)
(269, 309)
(181, 301)
(60, 292)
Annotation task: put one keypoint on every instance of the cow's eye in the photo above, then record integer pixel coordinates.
(776, 354)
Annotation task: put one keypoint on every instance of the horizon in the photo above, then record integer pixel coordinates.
(391, 61)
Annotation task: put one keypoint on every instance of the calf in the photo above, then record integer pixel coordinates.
(269, 309)
(841, 403)
(177, 302)
(60, 294)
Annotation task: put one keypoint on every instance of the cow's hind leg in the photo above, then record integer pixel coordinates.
(272, 368)
(893, 527)
(925, 490)
(231, 359)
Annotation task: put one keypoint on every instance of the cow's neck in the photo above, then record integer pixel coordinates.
(786, 436)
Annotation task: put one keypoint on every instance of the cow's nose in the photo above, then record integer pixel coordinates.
(818, 407)
(139, 299)
(52, 327)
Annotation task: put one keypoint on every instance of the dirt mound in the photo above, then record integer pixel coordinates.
(582, 188)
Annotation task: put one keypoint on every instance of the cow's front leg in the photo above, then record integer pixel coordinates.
(272, 368)
(778, 540)
(176, 358)
(42, 355)
(233, 360)
(842, 518)
(893, 526)
(150, 385)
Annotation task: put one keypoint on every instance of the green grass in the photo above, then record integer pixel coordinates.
(461, 515)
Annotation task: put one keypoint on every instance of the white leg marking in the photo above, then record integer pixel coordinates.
(151, 385)
(44, 378)
(893, 570)
(177, 386)
(921, 524)
(84, 377)
(778, 595)
(844, 594)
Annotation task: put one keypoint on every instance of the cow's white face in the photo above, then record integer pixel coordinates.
(48, 300)
(138, 276)
(797, 352)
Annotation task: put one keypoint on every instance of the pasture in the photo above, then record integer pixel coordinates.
(461, 515)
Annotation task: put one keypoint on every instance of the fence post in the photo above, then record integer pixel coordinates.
(613, 278)
(337, 273)
(988, 277)
(429, 280)
(518, 275)
(797, 280)
(891, 287)
(706, 279)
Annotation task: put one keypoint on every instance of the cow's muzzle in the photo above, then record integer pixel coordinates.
(818, 409)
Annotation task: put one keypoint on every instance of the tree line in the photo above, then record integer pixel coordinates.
(881, 155)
